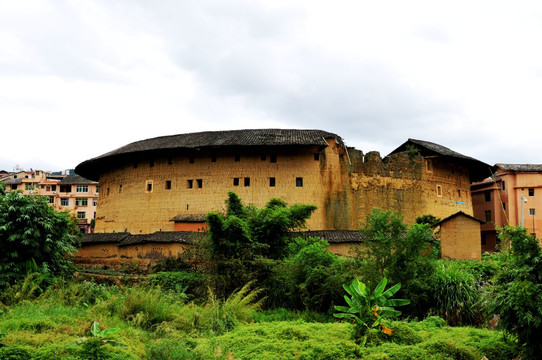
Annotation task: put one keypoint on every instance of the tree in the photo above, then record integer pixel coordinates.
(246, 231)
(517, 291)
(33, 237)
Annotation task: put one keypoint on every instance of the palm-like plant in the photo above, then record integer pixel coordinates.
(364, 306)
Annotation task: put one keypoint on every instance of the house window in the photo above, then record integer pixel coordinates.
(29, 186)
(149, 186)
(487, 196)
(504, 206)
(531, 212)
(120, 188)
(94, 202)
(64, 201)
(316, 156)
(235, 181)
(531, 192)
(81, 215)
(263, 157)
(273, 158)
(190, 184)
(237, 157)
(503, 185)
(487, 214)
(50, 199)
(65, 188)
(81, 202)
(247, 181)
(299, 182)
(13, 186)
(168, 184)
(191, 159)
(213, 158)
(199, 182)
(81, 188)
(151, 163)
(428, 165)
(53, 188)
(439, 190)
(458, 193)
(97, 188)
(107, 191)
(272, 182)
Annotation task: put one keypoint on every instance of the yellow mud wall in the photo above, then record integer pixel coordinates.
(127, 203)
(460, 239)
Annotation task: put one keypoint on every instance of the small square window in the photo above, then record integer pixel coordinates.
(247, 181)
(235, 181)
(273, 158)
(120, 188)
(439, 190)
(81, 215)
(299, 182)
(428, 165)
(237, 157)
(199, 182)
(149, 186)
(272, 182)
(64, 201)
(487, 214)
(531, 192)
(191, 159)
(190, 184)
(168, 184)
(531, 212)
(316, 156)
(487, 196)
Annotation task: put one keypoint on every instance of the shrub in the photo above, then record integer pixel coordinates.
(182, 282)
(14, 353)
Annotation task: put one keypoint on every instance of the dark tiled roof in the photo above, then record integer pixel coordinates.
(334, 236)
(190, 218)
(12, 181)
(125, 239)
(74, 180)
(211, 139)
(104, 238)
(520, 167)
(455, 215)
(477, 169)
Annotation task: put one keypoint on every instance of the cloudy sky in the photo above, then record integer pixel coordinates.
(78, 79)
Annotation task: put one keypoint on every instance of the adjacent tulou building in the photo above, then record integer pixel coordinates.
(167, 184)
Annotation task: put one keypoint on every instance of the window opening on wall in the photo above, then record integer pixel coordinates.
(81, 188)
(190, 184)
(94, 202)
(273, 158)
(272, 182)
(487, 214)
(503, 185)
(428, 165)
(81, 215)
(235, 181)
(64, 202)
(263, 157)
(531, 192)
(65, 188)
(299, 182)
(168, 184)
(458, 193)
(53, 188)
(13, 186)
(247, 181)
(169, 161)
(120, 188)
(107, 191)
(81, 202)
(237, 157)
(191, 159)
(151, 163)
(531, 212)
(487, 196)
(149, 186)
(316, 156)
(51, 199)
(504, 206)
(452, 169)
(439, 190)
(213, 158)
(199, 182)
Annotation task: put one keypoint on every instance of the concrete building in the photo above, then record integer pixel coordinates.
(513, 193)
(169, 183)
(71, 193)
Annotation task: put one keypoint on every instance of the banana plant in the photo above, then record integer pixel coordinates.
(366, 307)
(103, 335)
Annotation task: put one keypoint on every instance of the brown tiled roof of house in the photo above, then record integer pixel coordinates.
(459, 213)
(125, 239)
(104, 237)
(211, 140)
(520, 167)
(75, 180)
(334, 236)
(13, 181)
(477, 169)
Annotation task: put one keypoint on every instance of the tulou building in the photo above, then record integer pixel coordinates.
(163, 187)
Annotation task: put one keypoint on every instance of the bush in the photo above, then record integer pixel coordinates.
(182, 282)
(14, 353)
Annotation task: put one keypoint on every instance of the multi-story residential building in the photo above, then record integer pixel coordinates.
(71, 193)
(513, 196)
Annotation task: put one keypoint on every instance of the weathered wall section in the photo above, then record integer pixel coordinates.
(460, 239)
